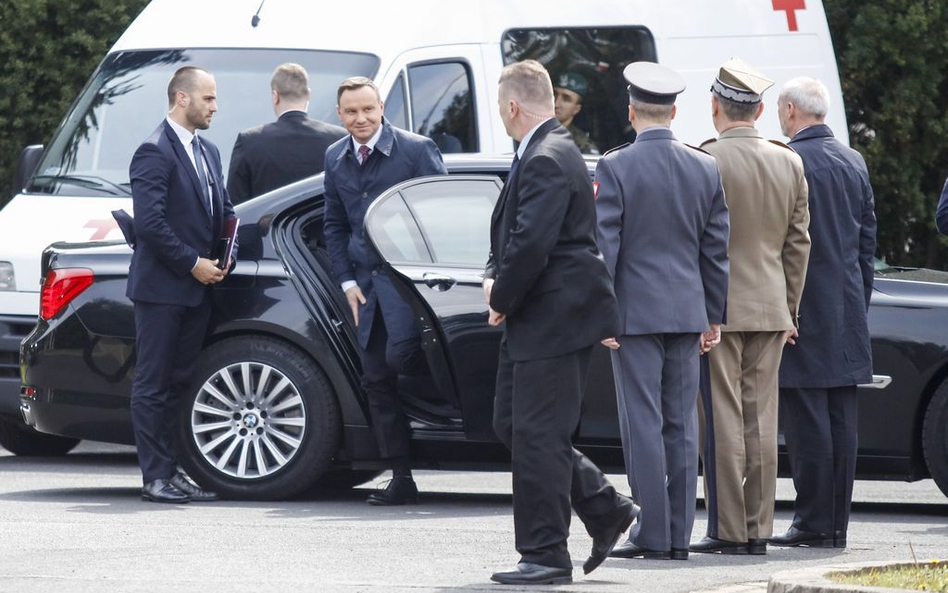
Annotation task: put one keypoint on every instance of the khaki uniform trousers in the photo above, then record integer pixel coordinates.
(738, 421)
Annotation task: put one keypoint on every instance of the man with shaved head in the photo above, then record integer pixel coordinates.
(546, 279)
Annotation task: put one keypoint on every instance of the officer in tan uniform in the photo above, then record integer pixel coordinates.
(766, 195)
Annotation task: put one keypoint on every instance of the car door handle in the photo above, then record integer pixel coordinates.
(439, 282)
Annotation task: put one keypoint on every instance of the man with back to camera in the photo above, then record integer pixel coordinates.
(278, 153)
(180, 205)
(766, 196)
(568, 92)
(546, 279)
(372, 158)
(663, 230)
(832, 354)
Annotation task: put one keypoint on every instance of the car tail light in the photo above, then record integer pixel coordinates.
(60, 287)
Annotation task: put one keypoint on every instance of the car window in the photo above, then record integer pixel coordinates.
(395, 233)
(442, 105)
(454, 216)
(395, 107)
(589, 62)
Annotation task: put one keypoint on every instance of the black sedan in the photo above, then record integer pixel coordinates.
(276, 405)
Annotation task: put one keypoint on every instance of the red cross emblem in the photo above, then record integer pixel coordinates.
(102, 228)
(790, 7)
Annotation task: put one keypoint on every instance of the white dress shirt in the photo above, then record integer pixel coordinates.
(185, 136)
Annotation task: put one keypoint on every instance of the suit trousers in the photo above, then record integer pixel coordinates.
(820, 428)
(738, 424)
(656, 379)
(536, 411)
(382, 362)
(168, 340)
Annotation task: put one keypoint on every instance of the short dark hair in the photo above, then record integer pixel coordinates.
(736, 111)
(355, 83)
(184, 79)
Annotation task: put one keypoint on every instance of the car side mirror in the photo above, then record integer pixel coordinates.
(26, 166)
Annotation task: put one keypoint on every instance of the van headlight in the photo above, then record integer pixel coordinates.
(7, 280)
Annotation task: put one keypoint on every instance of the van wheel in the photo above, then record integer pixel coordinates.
(21, 439)
(935, 437)
(261, 423)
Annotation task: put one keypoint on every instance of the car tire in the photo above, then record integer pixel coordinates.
(261, 421)
(935, 437)
(345, 479)
(21, 439)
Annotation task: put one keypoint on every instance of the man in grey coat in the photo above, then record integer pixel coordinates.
(663, 231)
(819, 374)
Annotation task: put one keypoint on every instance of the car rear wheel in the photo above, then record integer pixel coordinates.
(935, 437)
(20, 439)
(261, 423)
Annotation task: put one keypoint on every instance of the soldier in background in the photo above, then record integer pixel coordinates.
(568, 91)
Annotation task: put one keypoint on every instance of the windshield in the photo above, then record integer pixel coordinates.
(127, 99)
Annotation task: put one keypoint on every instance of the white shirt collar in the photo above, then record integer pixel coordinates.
(183, 134)
(527, 137)
(371, 143)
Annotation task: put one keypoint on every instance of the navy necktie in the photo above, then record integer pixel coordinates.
(513, 167)
(199, 165)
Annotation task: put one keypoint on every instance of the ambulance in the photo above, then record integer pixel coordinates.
(436, 63)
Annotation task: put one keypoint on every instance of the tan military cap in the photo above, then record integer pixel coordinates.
(739, 81)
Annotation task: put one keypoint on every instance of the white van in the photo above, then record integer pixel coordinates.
(436, 62)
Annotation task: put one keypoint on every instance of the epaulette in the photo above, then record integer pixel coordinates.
(611, 150)
(779, 143)
(698, 148)
(708, 141)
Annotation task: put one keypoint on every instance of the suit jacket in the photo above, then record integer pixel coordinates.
(278, 153)
(663, 229)
(833, 349)
(549, 277)
(173, 226)
(350, 187)
(766, 194)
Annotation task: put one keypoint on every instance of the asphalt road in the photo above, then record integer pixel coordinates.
(77, 524)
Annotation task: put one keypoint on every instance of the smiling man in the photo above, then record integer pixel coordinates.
(372, 158)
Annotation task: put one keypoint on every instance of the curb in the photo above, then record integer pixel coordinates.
(815, 580)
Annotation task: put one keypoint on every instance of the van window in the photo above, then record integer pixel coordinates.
(126, 99)
(442, 105)
(588, 62)
(395, 106)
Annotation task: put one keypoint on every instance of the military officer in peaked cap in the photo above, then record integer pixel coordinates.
(766, 194)
(663, 231)
(569, 89)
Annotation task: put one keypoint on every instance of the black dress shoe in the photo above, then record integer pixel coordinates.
(162, 490)
(839, 539)
(678, 554)
(194, 492)
(756, 547)
(629, 550)
(604, 543)
(713, 545)
(797, 537)
(399, 491)
(528, 573)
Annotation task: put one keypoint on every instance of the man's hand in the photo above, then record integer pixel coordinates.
(611, 343)
(206, 271)
(791, 336)
(355, 298)
(488, 284)
(710, 339)
(494, 318)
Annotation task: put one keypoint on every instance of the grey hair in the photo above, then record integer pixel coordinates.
(291, 81)
(529, 83)
(809, 95)
(652, 111)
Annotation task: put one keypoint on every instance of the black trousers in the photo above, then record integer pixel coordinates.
(382, 362)
(820, 429)
(536, 411)
(168, 339)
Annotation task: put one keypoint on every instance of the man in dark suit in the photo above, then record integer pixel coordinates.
(372, 158)
(663, 230)
(819, 374)
(293, 147)
(546, 279)
(180, 204)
